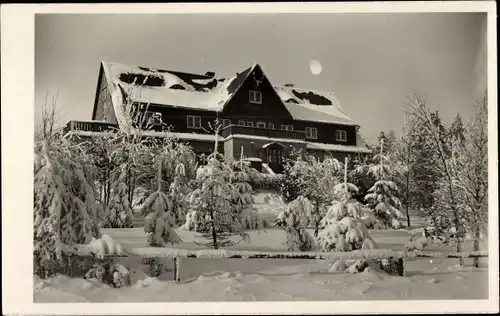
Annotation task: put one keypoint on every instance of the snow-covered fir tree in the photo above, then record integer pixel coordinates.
(295, 220)
(160, 219)
(220, 194)
(342, 228)
(382, 196)
(65, 212)
(119, 211)
(178, 192)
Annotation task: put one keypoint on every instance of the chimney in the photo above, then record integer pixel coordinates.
(290, 85)
(210, 74)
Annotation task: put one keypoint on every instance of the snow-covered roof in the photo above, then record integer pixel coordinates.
(187, 136)
(202, 92)
(312, 105)
(253, 159)
(170, 88)
(269, 144)
(360, 148)
(335, 147)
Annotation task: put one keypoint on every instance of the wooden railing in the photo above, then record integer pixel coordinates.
(264, 132)
(90, 126)
(178, 254)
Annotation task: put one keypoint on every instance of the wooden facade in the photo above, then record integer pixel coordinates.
(254, 118)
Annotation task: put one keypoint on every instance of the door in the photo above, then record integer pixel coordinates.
(275, 159)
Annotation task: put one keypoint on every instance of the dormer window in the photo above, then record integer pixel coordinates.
(261, 124)
(250, 124)
(241, 123)
(193, 121)
(177, 87)
(255, 97)
(291, 100)
(270, 125)
(286, 127)
(341, 135)
(311, 133)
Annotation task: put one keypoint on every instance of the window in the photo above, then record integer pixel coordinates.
(287, 127)
(261, 124)
(341, 135)
(311, 132)
(255, 97)
(226, 122)
(241, 123)
(250, 124)
(270, 125)
(193, 121)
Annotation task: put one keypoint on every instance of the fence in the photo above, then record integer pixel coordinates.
(379, 254)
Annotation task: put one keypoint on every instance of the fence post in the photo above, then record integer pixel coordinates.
(177, 265)
(401, 267)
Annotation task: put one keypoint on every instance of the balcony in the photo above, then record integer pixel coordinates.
(262, 132)
(92, 126)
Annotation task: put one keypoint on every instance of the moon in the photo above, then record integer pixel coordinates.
(315, 67)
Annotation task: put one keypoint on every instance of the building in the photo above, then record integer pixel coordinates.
(262, 121)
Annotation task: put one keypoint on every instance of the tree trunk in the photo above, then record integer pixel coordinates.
(214, 232)
(408, 199)
(108, 186)
(316, 222)
(477, 236)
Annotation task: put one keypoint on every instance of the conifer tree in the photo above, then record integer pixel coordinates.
(382, 196)
(342, 228)
(65, 212)
(217, 201)
(160, 220)
(294, 220)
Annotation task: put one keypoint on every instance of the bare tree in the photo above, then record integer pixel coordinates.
(51, 116)
(420, 111)
(470, 169)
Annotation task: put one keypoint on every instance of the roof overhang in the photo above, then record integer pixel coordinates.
(272, 143)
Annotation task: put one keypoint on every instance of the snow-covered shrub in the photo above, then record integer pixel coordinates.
(419, 242)
(313, 179)
(114, 274)
(267, 181)
(155, 267)
(294, 221)
(65, 210)
(251, 220)
(389, 266)
(158, 226)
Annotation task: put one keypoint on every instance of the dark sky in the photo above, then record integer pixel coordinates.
(371, 61)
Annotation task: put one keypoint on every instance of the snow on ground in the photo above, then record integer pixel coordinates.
(272, 279)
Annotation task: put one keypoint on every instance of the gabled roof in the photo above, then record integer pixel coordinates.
(202, 92)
